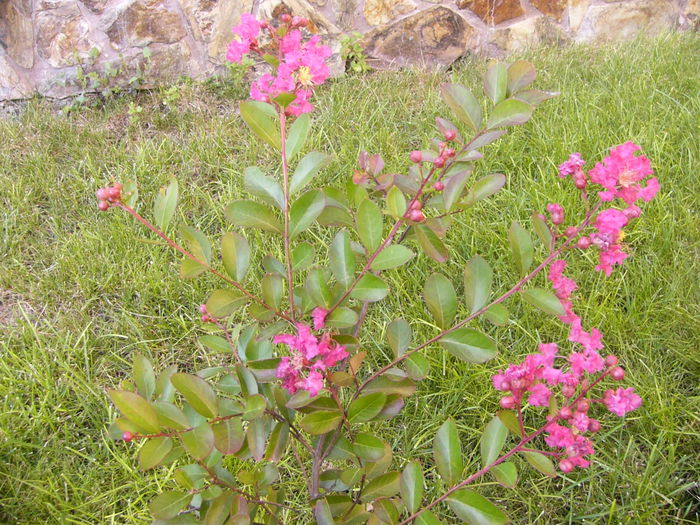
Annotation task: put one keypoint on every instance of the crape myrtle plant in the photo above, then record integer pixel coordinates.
(295, 395)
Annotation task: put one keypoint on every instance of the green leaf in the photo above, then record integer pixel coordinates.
(257, 116)
(321, 422)
(506, 474)
(366, 407)
(521, 246)
(256, 437)
(298, 132)
(341, 259)
(171, 416)
(190, 269)
(492, 440)
(197, 243)
(251, 214)
(222, 303)
(485, 187)
(318, 289)
(474, 509)
(510, 112)
(197, 392)
(199, 442)
(448, 452)
(255, 406)
(510, 420)
(370, 225)
(463, 104)
(272, 286)
(478, 277)
(441, 299)
(167, 505)
(404, 387)
(520, 74)
(399, 335)
(427, 518)
(144, 376)
(268, 189)
(417, 366)
(154, 451)
(305, 210)
(383, 486)
(430, 243)
(307, 169)
(342, 317)
(130, 193)
(485, 139)
(395, 202)
(541, 463)
(136, 409)
(544, 300)
(368, 447)
(228, 435)
(412, 486)
(469, 344)
(535, 97)
(542, 230)
(303, 254)
(392, 257)
(322, 511)
(279, 438)
(370, 288)
(496, 82)
(454, 186)
(497, 314)
(164, 388)
(164, 206)
(235, 253)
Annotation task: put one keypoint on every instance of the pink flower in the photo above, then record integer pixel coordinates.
(609, 258)
(563, 286)
(621, 400)
(610, 222)
(556, 212)
(580, 421)
(621, 172)
(539, 395)
(574, 167)
(310, 355)
(319, 317)
(245, 35)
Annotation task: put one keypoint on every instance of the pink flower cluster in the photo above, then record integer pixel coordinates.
(310, 357)
(301, 64)
(537, 376)
(620, 175)
(591, 341)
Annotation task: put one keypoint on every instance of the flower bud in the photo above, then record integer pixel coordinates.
(102, 194)
(416, 156)
(583, 405)
(583, 243)
(439, 162)
(449, 152)
(508, 402)
(593, 425)
(299, 21)
(439, 186)
(565, 413)
(611, 360)
(127, 436)
(570, 231)
(285, 18)
(617, 373)
(568, 390)
(416, 205)
(566, 466)
(416, 215)
(114, 192)
(632, 212)
(205, 318)
(450, 134)
(202, 308)
(103, 205)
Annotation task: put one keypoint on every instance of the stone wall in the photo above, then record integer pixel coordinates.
(44, 43)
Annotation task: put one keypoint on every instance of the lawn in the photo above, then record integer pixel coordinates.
(81, 291)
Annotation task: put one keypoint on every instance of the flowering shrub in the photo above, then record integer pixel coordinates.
(294, 391)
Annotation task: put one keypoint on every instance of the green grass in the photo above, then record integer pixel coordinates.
(88, 290)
